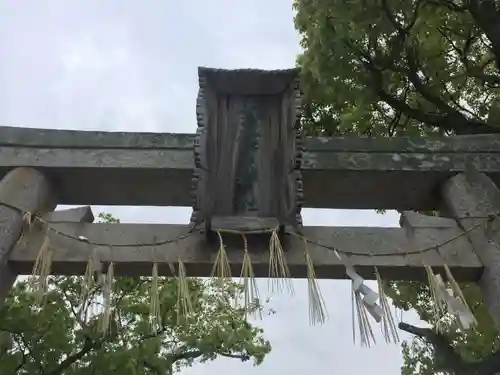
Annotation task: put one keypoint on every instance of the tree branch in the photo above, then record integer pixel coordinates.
(87, 348)
(402, 30)
(486, 15)
(153, 368)
(185, 355)
(450, 4)
(19, 337)
(423, 89)
(447, 118)
(21, 363)
(414, 68)
(475, 71)
(242, 357)
(447, 359)
(23, 359)
(450, 121)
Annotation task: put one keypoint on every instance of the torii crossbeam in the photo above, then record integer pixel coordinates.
(456, 175)
(155, 169)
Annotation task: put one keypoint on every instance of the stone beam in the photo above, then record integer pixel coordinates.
(104, 168)
(75, 215)
(71, 255)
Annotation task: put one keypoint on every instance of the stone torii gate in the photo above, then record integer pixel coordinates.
(249, 168)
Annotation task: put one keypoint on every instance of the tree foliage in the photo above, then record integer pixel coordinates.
(408, 67)
(460, 352)
(59, 339)
(385, 67)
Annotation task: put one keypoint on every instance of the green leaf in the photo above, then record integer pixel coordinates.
(404, 67)
(40, 341)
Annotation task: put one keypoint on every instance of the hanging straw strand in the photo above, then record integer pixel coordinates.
(221, 269)
(154, 308)
(250, 289)
(279, 274)
(365, 330)
(438, 310)
(388, 325)
(184, 305)
(41, 271)
(107, 297)
(455, 286)
(317, 306)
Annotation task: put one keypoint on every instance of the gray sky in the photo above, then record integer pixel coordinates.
(132, 66)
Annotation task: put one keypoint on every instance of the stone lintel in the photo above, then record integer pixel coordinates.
(425, 231)
(76, 215)
(71, 255)
(116, 168)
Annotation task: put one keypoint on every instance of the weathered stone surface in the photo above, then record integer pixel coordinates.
(248, 81)
(50, 138)
(156, 169)
(71, 255)
(33, 137)
(21, 190)
(105, 168)
(242, 223)
(412, 221)
(483, 143)
(75, 215)
(470, 196)
(424, 232)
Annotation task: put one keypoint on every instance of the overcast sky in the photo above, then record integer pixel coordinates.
(132, 66)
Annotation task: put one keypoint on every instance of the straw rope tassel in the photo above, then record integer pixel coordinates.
(359, 307)
(353, 313)
(438, 308)
(250, 289)
(93, 277)
(107, 296)
(154, 308)
(41, 271)
(184, 305)
(388, 326)
(279, 274)
(317, 307)
(88, 279)
(365, 329)
(28, 221)
(468, 320)
(221, 269)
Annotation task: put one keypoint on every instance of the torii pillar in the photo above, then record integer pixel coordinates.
(21, 190)
(470, 197)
